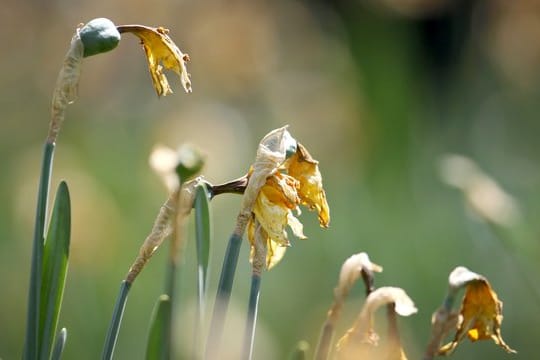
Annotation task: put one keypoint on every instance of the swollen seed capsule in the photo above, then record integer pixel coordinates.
(98, 36)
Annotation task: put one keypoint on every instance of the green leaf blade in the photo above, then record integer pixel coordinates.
(157, 347)
(31, 344)
(116, 321)
(203, 234)
(54, 270)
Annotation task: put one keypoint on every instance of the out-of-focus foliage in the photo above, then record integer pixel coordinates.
(379, 92)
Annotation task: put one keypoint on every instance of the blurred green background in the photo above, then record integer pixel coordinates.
(378, 91)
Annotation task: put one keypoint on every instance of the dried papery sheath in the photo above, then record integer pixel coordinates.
(161, 229)
(99, 35)
(67, 83)
(259, 249)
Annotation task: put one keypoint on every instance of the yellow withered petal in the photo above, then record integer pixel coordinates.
(272, 217)
(274, 251)
(305, 169)
(282, 189)
(161, 52)
(480, 317)
(273, 207)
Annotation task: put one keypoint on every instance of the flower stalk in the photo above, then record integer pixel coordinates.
(258, 265)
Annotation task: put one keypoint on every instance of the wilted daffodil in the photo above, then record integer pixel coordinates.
(297, 181)
(161, 52)
(361, 341)
(480, 316)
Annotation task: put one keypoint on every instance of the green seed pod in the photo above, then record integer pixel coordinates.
(98, 36)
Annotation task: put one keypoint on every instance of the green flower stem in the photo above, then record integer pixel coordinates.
(251, 321)
(31, 348)
(223, 295)
(114, 327)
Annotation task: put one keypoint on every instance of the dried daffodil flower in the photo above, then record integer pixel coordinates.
(292, 182)
(161, 52)
(361, 340)
(354, 267)
(480, 314)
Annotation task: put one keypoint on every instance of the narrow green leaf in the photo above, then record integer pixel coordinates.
(60, 344)
(158, 347)
(114, 326)
(203, 234)
(55, 263)
(31, 345)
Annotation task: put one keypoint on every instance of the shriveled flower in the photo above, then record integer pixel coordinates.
(480, 316)
(305, 169)
(293, 182)
(161, 52)
(361, 340)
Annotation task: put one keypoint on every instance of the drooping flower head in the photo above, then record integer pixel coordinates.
(161, 52)
(296, 181)
(480, 316)
(361, 341)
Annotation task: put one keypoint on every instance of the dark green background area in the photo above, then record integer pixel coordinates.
(376, 93)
